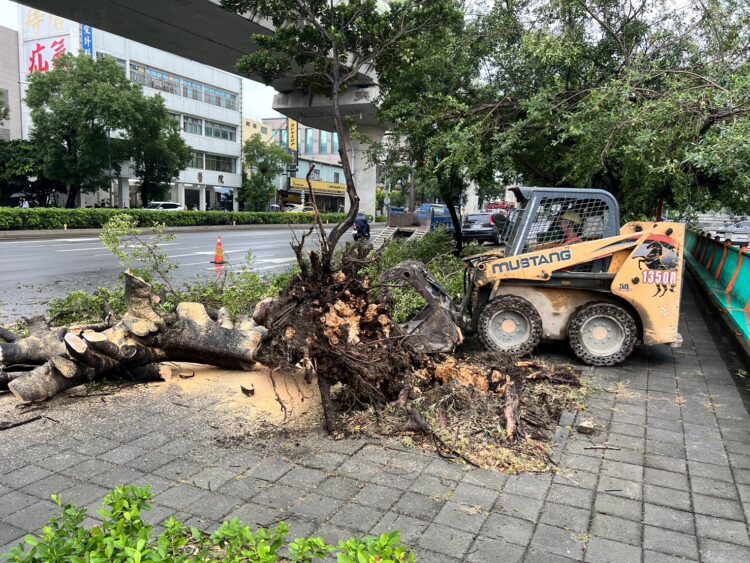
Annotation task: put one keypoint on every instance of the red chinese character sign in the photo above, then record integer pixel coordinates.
(41, 54)
(37, 62)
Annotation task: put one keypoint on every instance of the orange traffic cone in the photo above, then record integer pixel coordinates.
(219, 254)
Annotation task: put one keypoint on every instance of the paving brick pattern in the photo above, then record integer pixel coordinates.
(672, 484)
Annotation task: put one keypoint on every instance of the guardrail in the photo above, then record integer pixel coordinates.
(723, 270)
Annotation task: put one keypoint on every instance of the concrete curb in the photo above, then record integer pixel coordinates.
(73, 233)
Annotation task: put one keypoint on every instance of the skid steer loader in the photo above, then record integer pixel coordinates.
(566, 270)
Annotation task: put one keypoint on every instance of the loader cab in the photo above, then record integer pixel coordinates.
(548, 217)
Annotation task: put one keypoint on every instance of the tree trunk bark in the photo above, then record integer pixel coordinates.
(73, 191)
(143, 337)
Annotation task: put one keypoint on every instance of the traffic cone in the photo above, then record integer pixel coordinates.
(219, 254)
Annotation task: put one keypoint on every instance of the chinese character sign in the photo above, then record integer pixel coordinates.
(87, 40)
(39, 55)
(41, 24)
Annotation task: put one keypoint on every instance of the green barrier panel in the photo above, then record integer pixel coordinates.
(720, 252)
(730, 266)
(724, 272)
(741, 290)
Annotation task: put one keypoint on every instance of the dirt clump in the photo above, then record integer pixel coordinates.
(485, 410)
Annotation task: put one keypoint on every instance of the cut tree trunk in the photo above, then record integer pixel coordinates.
(144, 337)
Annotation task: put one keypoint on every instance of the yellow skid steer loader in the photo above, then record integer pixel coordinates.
(566, 270)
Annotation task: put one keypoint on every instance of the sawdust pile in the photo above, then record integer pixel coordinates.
(486, 410)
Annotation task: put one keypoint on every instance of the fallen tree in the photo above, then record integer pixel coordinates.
(137, 344)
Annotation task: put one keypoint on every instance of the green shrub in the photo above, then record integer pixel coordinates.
(436, 252)
(80, 307)
(123, 536)
(15, 218)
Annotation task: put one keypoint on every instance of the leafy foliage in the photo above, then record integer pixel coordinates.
(123, 536)
(265, 161)
(41, 218)
(76, 109)
(437, 251)
(153, 142)
(80, 307)
(327, 46)
(122, 237)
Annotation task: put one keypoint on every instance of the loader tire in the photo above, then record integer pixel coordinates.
(602, 334)
(511, 325)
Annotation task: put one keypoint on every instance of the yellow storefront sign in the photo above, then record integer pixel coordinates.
(293, 128)
(300, 184)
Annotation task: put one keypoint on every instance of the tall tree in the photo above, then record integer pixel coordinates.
(428, 106)
(327, 46)
(76, 108)
(264, 162)
(153, 143)
(648, 99)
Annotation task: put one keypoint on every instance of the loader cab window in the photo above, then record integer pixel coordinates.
(564, 221)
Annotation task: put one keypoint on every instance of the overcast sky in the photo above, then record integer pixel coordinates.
(257, 99)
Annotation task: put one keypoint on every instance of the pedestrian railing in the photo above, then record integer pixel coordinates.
(723, 270)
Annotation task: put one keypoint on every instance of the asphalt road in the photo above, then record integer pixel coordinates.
(34, 271)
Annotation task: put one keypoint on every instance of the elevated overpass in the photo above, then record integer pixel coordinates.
(201, 30)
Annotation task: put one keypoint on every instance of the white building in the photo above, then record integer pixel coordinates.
(205, 100)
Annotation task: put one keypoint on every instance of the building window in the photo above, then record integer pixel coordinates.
(162, 81)
(316, 174)
(263, 130)
(220, 131)
(335, 143)
(192, 90)
(284, 137)
(309, 140)
(197, 161)
(221, 163)
(221, 98)
(336, 177)
(166, 82)
(192, 125)
(176, 117)
(3, 98)
(323, 142)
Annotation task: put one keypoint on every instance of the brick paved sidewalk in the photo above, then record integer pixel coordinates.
(677, 486)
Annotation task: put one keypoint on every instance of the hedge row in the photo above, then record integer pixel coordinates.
(16, 218)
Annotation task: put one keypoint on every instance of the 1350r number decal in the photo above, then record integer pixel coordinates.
(660, 277)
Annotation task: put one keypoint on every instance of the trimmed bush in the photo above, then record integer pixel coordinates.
(16, 218)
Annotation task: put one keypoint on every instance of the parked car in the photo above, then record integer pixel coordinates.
(479, 227)
(427, 210)
(298, 208)
(165, 206)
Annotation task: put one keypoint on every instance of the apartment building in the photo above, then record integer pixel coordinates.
(10, 91)
(205, 101)
(314, 146)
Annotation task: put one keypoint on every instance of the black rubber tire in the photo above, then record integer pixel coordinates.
(586, 312)
(520, 306)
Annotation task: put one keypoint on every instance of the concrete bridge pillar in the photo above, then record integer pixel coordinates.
(363, 171)
(124, 189)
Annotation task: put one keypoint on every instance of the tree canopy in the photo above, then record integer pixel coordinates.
(648, 99)
(263, 162)
(326, 46)
(88, 118)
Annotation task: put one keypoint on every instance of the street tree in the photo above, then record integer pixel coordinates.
(264, 162)
(76, 108)
(327, 46)
(647, 99)
(428, 105)
(153, 143)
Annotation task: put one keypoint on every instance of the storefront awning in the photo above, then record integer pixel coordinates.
(299, 185)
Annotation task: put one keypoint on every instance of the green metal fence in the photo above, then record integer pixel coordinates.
(724, 271)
